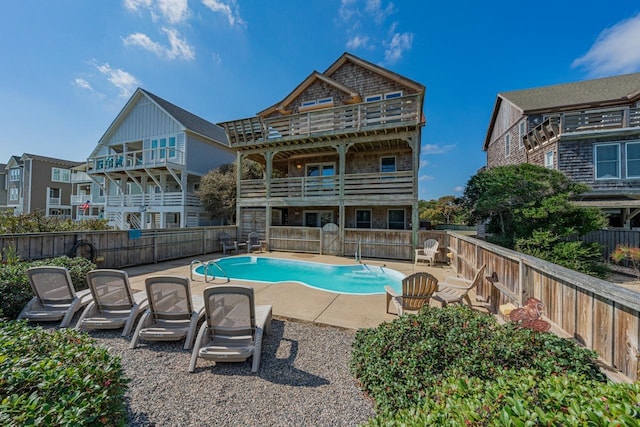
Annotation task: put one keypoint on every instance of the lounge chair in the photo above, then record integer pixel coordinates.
(428, 252)
(227, 243)
(114, 305)
(417, 290)
(55, 297)
(234, 326)
(456, 289)
(253, 242)
(172, 314)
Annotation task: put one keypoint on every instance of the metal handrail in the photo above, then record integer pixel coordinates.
(206, 271)
(195, 261)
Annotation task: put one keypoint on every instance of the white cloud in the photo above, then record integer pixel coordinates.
(228, 8)
(179, 48)
(458, 189)
(396, 45)
(216, 58)
(437, 149)
(173, 11)
(422, 178)
(85, 85)
(375, 9)
(616, 50)
(121, 79)
(357, 42)
(424, 163)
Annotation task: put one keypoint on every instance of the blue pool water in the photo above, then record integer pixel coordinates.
(359, 279)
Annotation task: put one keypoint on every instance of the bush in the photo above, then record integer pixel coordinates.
(57, 378)
(399, 362)
(15, 290)
(519, 398)
(38, 222)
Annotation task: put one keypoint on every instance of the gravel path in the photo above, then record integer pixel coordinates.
(303, 380)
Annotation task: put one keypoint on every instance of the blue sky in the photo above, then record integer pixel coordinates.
(69, 66)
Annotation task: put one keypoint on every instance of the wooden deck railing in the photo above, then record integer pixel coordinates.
(395, 183)
(600, 315)
(391, 113)
(140, 159)
(159, 199)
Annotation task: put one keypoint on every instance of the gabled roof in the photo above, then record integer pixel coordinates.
(3, 168)
(62, 162)
(594, 93)
(188, 120)
(326, 77)
(282, 105)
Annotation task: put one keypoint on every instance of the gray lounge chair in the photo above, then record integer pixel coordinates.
(254, 242)
(227, 243)
(234, 326)
(114, 305)
(417, 290)
(55, 297)
(172, 314)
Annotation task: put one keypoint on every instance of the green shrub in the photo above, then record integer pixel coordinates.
(15, 290)
(57, 378)
(522, 398)
(398, 362)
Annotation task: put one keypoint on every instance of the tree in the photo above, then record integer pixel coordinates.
(447, 210)
(217, 190)
(528, 208)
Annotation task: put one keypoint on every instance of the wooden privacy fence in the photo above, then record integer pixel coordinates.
(611, 238)
(600, 315)
(117, 249)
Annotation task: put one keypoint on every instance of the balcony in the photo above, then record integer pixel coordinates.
(132, 160)
(151, 200)
(588, 121)
(369, 117)
(396, 184)
(79, 177)
(82, 198)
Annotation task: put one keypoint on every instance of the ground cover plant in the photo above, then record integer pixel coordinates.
(15, 290)
(57, 378)
(454, 366)
(38, 222)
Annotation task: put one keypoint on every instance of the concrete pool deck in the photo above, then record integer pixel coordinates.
(296, 301)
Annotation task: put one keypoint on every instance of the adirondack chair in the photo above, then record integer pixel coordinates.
(428, 252)
(417, 290)
(456, 289)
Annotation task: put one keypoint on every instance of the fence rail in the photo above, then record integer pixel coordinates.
(600, 315)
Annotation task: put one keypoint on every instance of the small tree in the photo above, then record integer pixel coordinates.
(629, 254)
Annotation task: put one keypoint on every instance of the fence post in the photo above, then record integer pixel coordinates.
(155, 247)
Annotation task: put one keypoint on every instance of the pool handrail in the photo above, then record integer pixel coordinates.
(206, 270)
(195, 261)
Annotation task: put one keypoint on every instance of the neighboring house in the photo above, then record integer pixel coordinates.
(149, 163)
(343, 148)
(88, 197)
(588, 130)
(39, 184)
(4, 186)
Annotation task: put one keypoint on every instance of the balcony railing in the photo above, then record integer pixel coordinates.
(143, 201)
(155, 157)
(79, 199)
(582, 121)
(395, 183)
(380, 115)
(80, 177)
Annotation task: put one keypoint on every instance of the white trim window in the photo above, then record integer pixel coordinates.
(314, 104)
(548, 160)
(60, 175)
(363, 218)
(373, 98)
(633, 159)
(317, 218)
(395, 219)
(607, 161)
(522, 130)
(388, 164)
(507, 145)
(13, 194)
(14, 174)
(393, 95)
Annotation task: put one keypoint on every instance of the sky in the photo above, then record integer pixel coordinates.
(67, 67)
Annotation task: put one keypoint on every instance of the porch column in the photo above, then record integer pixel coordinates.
(238, 179)
(414, 143)
(268, 156)
(342, 166)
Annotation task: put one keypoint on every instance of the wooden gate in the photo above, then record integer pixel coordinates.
(330, 239)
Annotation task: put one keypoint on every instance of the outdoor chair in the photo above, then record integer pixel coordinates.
(428, 252)
(55, 297)
(456, 289)
(234, 326)
(114, 305)
(227, 243)
(253, 242)
(417, 290)
(172, 314)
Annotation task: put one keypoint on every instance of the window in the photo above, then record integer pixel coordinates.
(522, 127)
(317, 218)
(395, 219)
(13, 194)
(387, 164)
(321, 169)
(14, 174)
(548, 160)
(392, 95)
(607, 161)
(373, 98)
(363, 218)
(633, 160)
(314, 104)
(60, 175)
(507, 145)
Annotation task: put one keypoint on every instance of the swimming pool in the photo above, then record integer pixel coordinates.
(358, 279)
